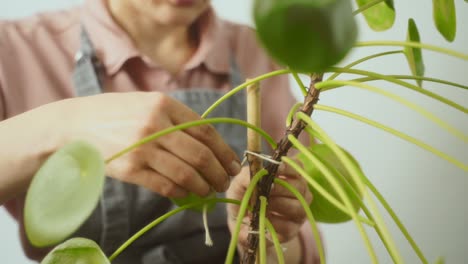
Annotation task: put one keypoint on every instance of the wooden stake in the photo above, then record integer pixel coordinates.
(254, 143)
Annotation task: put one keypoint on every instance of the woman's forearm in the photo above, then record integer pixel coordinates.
(26, 140)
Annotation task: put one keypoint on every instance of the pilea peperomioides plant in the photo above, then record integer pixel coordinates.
(308, 37)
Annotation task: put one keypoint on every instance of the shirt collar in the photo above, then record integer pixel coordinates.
(114, 47)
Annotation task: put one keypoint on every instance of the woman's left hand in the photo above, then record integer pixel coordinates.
(284, 211)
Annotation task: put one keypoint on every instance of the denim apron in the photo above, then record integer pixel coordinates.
(125, 208)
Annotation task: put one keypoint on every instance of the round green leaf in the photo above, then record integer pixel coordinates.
(76, 251)
(306, 35)
(445, 18)
(323, 210)
(193, 198)
(414, 55)
(379, 17)
(63, 193)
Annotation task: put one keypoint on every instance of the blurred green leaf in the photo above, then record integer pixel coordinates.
(381, 16)
(441, 260)
(63, 193)
(414, 55)
(391, 5)
(445, 18)
(305, 35)
(76, 251)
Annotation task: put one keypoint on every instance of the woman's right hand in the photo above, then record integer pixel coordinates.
(193, 160)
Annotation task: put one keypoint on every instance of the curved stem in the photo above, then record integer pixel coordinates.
(312, 222)
(299, 82)
(355, 175)
(261, 230)
(393, 132)
(366, 210)
(411, 77)
(276, 243)
(401, 100)
(322, 191)
(166, 131)
(291, 113)
(164, 217)
(404, 84)
(243, 86)
(242, 211)
(354, 63)
(395, 218)
(414, 45)
(366, 6)
(339, 190)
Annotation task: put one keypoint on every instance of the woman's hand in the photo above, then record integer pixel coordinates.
(194, 160)
(284, 211)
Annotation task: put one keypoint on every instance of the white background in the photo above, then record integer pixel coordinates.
(428, 193)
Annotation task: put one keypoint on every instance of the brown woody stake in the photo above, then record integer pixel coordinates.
(264, 186)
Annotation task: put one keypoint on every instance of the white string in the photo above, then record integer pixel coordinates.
(261, 156)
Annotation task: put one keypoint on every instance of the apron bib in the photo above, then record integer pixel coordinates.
(125, 208)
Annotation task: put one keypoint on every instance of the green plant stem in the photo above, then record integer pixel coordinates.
(166, 131)
(292, 112)
(401, 100)
(355, 175)
(299, 82)
(322, 191)
(339, 190)
(261, 230)
(366, 6)
(363, 205)
(312, 222)
(354, 63)
(395, 218)
(411, 77)
(164, 217)
(395, 133)
(243, 86)
(242, 211)
(414, 45)
(404, 84)
(276, 243)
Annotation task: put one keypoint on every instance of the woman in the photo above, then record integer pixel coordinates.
(169, 57)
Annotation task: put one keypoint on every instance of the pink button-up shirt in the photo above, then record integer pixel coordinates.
(37, 61)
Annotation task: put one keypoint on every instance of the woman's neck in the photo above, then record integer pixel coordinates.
(170, 46)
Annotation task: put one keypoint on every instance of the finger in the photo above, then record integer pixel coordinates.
(287, 171)
(208, 135)
(198, 156)
(299, 184)
(285, 228)
(288, 208)
(175, 169)
(159, 184)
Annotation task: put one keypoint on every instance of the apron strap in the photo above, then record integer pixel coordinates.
(87, 80)
(88, 73)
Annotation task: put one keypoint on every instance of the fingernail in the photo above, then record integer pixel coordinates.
(235, 168)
